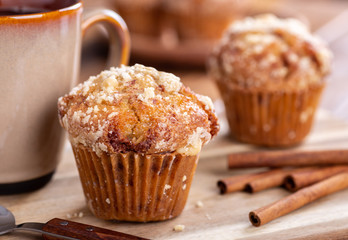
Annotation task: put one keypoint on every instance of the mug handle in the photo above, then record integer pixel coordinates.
(117, 31)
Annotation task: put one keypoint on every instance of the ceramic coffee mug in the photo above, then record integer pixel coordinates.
(40, 51)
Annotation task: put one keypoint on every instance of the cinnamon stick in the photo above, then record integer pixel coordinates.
(234, 183)
(300, 198)
(276, 179)
(239, 182)
(287, 158)
(300, 179)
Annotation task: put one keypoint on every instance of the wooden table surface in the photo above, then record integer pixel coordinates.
(221, 217)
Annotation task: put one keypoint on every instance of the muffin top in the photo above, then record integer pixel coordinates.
(137, 109)
(269, 53)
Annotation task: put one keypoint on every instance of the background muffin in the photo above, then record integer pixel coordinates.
(177, 32)
(141, 16)
(190, 19)
(203, 19)
(270, 73)
(136, 135)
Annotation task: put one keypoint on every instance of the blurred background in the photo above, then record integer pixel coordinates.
(178, 35)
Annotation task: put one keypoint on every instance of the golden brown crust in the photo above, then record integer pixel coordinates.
(137, 109)
(270, 54)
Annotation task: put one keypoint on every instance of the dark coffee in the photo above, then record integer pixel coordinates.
(20, 11)
(22, 7)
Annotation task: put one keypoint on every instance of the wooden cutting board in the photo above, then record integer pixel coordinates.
(221, 217)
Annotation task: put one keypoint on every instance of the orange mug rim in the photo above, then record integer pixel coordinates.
(60, 11)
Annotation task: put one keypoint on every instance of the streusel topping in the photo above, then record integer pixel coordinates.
(137, 109)
(270, 53)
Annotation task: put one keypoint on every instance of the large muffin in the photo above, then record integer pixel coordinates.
(136, 134)
(271, 73)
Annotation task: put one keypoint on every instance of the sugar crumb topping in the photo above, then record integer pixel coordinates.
(257, 49)
(149, 93)
(208, 104)
(131, 105)
(269, 23)
(195, 142)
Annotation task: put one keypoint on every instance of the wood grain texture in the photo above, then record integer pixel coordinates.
(221, 217)
(83, 231)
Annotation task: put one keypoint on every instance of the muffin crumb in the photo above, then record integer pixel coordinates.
(179, 228)
(199, 204)
(208, 216)
(166, 187)
(184, 178)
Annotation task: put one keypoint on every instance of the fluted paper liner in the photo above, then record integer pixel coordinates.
(273, 118)
(135, 187)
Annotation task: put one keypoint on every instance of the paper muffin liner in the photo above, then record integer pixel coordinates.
(274, 118)
(135, 187)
